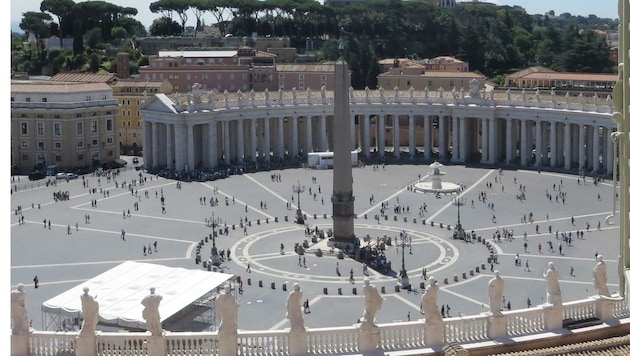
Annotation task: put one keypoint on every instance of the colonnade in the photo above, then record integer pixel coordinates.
(539, 137)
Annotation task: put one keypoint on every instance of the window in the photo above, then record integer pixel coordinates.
(57, 129)
(22, 115)
(80, 157)
(24, 128)
(28, 100)
(323, 78)
(40, 116)
(88, 98)
(94, 126)
(79, 115)
(110, 140)
(108, 112)
(25, 144)
(134, 134)
(128, 123)
(44, 100)
(79, 144)
(218, 76)
(124, 123)
(280, 77)
(300, 76)
(109, 125)
(40, 129)
(231, 76)
(12, 98)
(56, 116)
(57, 145)
(104, 97)
(110, 153)
(79, 128)
(57, 158)
(95, 142)
(430, 83)
(41, 145)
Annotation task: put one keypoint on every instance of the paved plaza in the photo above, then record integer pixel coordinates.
(75, 249)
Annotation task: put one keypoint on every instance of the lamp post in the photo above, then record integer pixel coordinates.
(459, 231)
(403, 278)
(214, 254)
(299, 219)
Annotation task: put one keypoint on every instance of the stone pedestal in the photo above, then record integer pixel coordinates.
(227, 343)
(86, 345)
(369, 336)
(434, 334)
(497, 326)
(19, 345)
(552, 317)
(605, 306)
(156, 346)
(404, 282)
(297, 342)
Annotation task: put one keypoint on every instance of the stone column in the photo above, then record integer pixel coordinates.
(595, 149)
(456, 140)
(552, 317)
(169, 146)
(581, 148)
(147, 144)
(323, 142)
(610, 155)
(524, 149)
(267, 139)
(381, 135)
(180, 146)
(212, 144)
(253, 139)
(553, 160)
(280, 150)
(427, 137)
(154, 145)
(396, 136)
(485, 140)
(412, 136)
(365, 144)
(463, 139)
(492, 143)
(294, 136)
(509, 152)
(309, 134)
(539, 145)
(226, 142)
(240, 141)
(497, 326)
(191, 147)
(567, 145)
(443, 135)
(353, 133)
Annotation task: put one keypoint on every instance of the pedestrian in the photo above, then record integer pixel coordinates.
(527, 265)
(282, 248)
(529, 302)
(69, 230)
(509, 305)
(144, 249)
(571, 273)
(299, 260)
(307, 307)
(304, 261)
(248, 270)
(122, 234)
(36, 281)
(491, 267)
(408, 316)
(155, 246)
(337, 270)
(77, 226)
(351, 276)
(48, 224)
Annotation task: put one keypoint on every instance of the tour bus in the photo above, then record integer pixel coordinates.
(324, 160)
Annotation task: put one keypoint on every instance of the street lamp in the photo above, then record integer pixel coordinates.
(459, 231)
(214, 254)
(299, 219)
(404, 279)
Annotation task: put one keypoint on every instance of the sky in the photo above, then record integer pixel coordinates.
(600, 8)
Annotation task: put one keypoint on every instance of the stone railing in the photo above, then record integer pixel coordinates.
(330, 341)
(249, 100)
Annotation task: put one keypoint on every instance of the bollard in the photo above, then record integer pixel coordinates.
(250, 223)
(339, 291)
(233, 227)
(464, 275)
(386, 217)
(202, 242)
(455, 279)
(395, 218)
(414, 220)
(405, 219)
(325, 290)
(315, 216)
(383, 289)
(397, 288)
(205, 264)
(448, 227)
(354, 290)
(284, 286)
(441, 225)
(275, 219)
(365, 216)
(422, 285)
(273, 285)
(483, 266)
(249, 281)
(424, 222)
(431, 223)
(286, 218)
(206, 238)
(260, 284)
(257, 222)
(324, 215)
(477, 269)
(375, 217)
(471, 272)
(267, 220)
(445, 280)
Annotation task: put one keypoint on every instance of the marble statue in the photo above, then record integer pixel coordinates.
(211, 98)
(294, 308)
(553, 96)
(538, 95)
(396, 94)
(426, 92)
(252, 95)
(226, 95)
(509, 95)
(323, 92)
(308, 95)
(492, 93)
(474, 88)
(266, 96)
(351, 93)
(294, 93)
(441, 92)
(280, 96)
(151, 313)
(411, 91)
(524, 95)
(367, 94)
(196, 93)
(429, 302)
(600, 277)
(373, 302)
(18, 311)
(227, 311)
(495, 293)
(89, 306)
(381, 94)
(554, 295)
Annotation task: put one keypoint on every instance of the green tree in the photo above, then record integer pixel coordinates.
(164, 26)
(94, 37)
(118, 32)
(37, 24)
(62, 9)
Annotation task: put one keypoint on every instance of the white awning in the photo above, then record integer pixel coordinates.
(120, 290)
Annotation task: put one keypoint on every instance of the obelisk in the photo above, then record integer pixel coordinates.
(342, 196)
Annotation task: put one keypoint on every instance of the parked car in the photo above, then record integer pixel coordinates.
(71, 175)
(36, 175)
(61, 176)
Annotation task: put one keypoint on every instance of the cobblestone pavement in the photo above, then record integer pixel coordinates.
(62, 256)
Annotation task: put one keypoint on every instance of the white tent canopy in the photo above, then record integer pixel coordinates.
(120, 290)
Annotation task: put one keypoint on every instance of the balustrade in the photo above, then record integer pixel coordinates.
(263, 343)
(397, 336)
(579, 309)
(333, 340)
(52, 343)
(525, 321)
(466, 329)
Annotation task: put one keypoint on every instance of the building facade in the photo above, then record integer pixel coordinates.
(62, 123)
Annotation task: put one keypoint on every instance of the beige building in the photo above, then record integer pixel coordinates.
(541, 77)
(130, 93)
(304, 76)
(415, 76)
(66, 124)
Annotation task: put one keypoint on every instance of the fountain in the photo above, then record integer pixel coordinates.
(436, 185)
